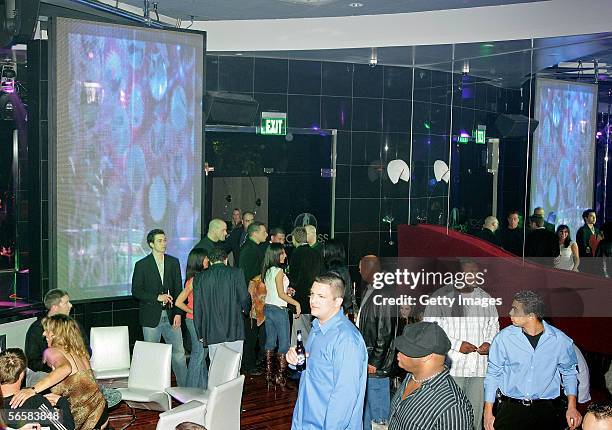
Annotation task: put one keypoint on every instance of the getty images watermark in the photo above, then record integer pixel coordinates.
(454, 288)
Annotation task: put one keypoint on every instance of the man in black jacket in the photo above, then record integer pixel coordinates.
(155, 284)
(587, 238)
(215, 237)
(238, 236)
(512, 235)
(220, 301)
(490, 226)
(541, 243)
(377, 324)
(305, 265)
(251, 254)
(251, 259)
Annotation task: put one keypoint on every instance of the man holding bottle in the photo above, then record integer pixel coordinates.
(332, 387)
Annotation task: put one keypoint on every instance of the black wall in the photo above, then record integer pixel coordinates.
(373, 109)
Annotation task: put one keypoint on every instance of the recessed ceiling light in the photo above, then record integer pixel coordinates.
(356, 4)
(238, 53)
(488, 45)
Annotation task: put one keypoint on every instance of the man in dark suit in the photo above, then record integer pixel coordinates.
(305, 265)
(155, 284)
(251, 253)
(584, 233)
(541, 243)
(251, 259)
(220, 301)
(512, 235)
(238, 236)
(587, 238)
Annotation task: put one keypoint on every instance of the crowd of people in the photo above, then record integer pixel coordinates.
(367, 364)
(52, 384)
(555, 248)
(443, 368)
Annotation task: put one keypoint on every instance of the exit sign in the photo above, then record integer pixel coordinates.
(480, 134)
(273, 124)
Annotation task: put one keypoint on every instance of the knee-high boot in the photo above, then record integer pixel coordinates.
(270, 368)
(281, 380)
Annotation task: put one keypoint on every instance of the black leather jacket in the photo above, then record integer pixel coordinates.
(378, 324)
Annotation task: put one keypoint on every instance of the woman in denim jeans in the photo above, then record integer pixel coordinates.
(277, 319)
(197, 371)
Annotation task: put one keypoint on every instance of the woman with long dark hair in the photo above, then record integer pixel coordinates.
(275, 310)
(71, 376)
(197, 371)
(568, 258)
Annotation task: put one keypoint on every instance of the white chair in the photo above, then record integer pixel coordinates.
(224, 367)
(193, 412)
(223, 408)
(110, 353)
(149, 378)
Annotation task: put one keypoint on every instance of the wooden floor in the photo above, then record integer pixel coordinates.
(261, 409)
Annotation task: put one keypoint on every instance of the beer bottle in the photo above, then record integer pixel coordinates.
(166, 305)
(301, 353)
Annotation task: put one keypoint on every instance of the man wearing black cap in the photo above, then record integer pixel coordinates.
(428, 398)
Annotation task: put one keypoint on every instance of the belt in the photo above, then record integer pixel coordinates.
(524, 402)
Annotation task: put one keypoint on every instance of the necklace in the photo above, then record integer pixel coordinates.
(420, 381)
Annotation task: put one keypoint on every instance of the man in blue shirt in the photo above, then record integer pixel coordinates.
(332, 388)
(528, 362)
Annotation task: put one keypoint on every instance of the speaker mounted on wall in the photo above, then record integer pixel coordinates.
(232, 109)
(515, 125)
(18, 20)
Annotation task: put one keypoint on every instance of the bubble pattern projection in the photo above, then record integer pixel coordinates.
(129, 142)
(564, 151)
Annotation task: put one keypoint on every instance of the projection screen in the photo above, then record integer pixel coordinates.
(127, 151)
(563, 153)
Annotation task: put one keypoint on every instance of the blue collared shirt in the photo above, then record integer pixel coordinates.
(521, 372)
(332, 388)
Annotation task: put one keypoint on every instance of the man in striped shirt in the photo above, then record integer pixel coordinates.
(471, 329)
(428, 398)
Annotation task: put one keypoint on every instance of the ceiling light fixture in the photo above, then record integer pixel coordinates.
(373, 57)
(356, 4)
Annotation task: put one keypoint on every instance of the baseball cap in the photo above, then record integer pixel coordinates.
(421, 339)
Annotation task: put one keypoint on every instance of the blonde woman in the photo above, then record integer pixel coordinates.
(71, 375)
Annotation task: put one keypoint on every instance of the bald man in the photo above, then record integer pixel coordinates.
(217, 231)
(490, 226)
